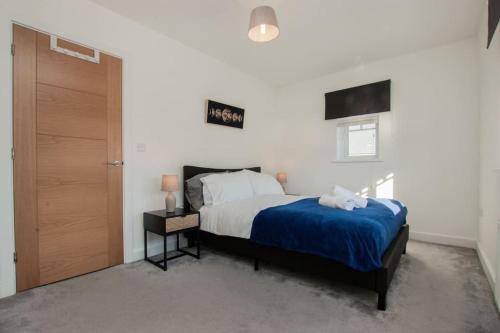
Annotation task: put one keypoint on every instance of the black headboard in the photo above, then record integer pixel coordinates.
(189, 171)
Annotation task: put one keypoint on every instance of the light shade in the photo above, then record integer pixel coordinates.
(169, 183)
(282, 177)
(263, 24)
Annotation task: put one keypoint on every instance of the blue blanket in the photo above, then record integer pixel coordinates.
(355, 238)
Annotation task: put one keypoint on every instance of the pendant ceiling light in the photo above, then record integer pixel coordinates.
(263, 25)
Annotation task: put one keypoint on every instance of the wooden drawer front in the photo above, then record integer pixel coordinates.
(178, 223)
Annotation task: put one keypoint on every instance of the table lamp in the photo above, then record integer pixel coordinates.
(170, 184)
(282, 178)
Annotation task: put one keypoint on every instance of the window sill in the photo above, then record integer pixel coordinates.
(358, 161)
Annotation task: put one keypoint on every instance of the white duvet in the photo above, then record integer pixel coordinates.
(235, 218)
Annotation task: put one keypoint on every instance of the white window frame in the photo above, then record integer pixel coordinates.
(343, 140)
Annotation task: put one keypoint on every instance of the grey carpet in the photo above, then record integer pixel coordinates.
(436, 289)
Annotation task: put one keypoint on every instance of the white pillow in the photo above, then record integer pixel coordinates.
(263, 184)
(226, 187)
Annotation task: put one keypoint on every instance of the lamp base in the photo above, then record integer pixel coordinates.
(170, 202)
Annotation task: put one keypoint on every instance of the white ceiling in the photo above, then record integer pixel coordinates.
(317, 36)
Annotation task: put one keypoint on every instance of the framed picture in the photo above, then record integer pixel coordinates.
(223, 114)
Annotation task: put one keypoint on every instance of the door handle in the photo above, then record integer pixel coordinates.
(115, 163)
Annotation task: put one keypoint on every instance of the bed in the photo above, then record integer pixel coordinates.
(255, 240)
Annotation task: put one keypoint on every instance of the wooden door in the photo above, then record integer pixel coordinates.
(67, 133)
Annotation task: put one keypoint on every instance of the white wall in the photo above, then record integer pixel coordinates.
(489, 82)
(165, 88)
(429, 140)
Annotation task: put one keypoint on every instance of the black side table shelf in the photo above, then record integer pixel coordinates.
(165, 224)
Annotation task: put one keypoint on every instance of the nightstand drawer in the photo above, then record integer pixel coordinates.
(181, 222)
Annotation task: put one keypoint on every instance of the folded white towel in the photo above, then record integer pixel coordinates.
(340, 191)
(338, 201)
(327, 200)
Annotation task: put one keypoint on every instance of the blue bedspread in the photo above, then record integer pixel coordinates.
(355, 238)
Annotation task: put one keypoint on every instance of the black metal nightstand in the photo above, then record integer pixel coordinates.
(165, 224)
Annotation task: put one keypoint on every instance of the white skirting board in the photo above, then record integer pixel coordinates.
(443, 239)
(488, 269)
(156, 244)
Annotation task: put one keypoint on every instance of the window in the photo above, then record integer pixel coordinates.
(358, 140)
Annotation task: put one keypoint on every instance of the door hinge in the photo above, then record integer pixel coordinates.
(12, 153)
(15, 257)
(13, 49)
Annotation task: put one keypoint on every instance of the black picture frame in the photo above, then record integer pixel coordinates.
(224, 114)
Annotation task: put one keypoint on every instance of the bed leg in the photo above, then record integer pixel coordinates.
(382, 286)
(256, 264)
(381, 304)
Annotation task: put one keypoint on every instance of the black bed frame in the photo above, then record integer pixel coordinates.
(377, 280)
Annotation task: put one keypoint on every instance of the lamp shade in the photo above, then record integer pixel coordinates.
(169, 183)
(263, 24)
(282, 177)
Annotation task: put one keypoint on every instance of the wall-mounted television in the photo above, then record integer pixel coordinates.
(356, 101)
(493, 18)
